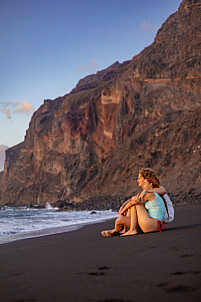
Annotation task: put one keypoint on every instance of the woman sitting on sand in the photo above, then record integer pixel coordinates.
(145, 210)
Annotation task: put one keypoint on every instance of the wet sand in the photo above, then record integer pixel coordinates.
(84, 266)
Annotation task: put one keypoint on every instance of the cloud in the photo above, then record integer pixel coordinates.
(7, 112)
(23, 107)
(91, 66)
(148, 26)
(10, 108)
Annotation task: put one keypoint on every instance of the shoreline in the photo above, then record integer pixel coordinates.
(4, 239)
(83, 266)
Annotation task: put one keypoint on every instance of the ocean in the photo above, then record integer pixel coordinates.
(20, 222)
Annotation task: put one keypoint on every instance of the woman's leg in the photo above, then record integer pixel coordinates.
(134, 223)
(120, 222)
(128, 214)
(146, 223)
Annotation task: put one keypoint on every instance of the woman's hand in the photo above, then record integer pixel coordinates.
(136, 199)
(142, 195)
(121, 212)
(129, 203)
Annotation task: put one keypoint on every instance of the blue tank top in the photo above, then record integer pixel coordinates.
(156, 208)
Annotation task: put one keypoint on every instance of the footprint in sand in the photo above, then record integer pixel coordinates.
(180, 289)
(96, 274)
(177, 288)
(104, 268)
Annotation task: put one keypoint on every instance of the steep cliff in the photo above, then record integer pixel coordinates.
(2, 156)
(89, 144)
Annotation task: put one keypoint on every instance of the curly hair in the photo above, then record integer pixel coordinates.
(150, 175)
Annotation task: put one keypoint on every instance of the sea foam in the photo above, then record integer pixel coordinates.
(21, 222)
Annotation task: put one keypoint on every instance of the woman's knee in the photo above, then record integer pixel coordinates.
(120, 219)
(123, 220)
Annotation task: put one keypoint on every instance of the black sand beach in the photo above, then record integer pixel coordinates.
(83, 266)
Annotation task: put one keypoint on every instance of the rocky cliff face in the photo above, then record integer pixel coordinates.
(2, 156)
(89, 144)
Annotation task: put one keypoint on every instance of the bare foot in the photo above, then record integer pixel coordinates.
(130, 233)
(109, 233)
(123, 231)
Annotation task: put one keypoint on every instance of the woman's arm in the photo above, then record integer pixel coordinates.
(123, 205)
(136, 200)
(160, 191)
(131, 202)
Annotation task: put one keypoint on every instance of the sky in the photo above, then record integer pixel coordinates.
(47, 46)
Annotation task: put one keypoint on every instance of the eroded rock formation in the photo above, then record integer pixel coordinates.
(89, 144)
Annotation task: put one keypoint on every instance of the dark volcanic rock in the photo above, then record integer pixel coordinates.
(83, 150)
